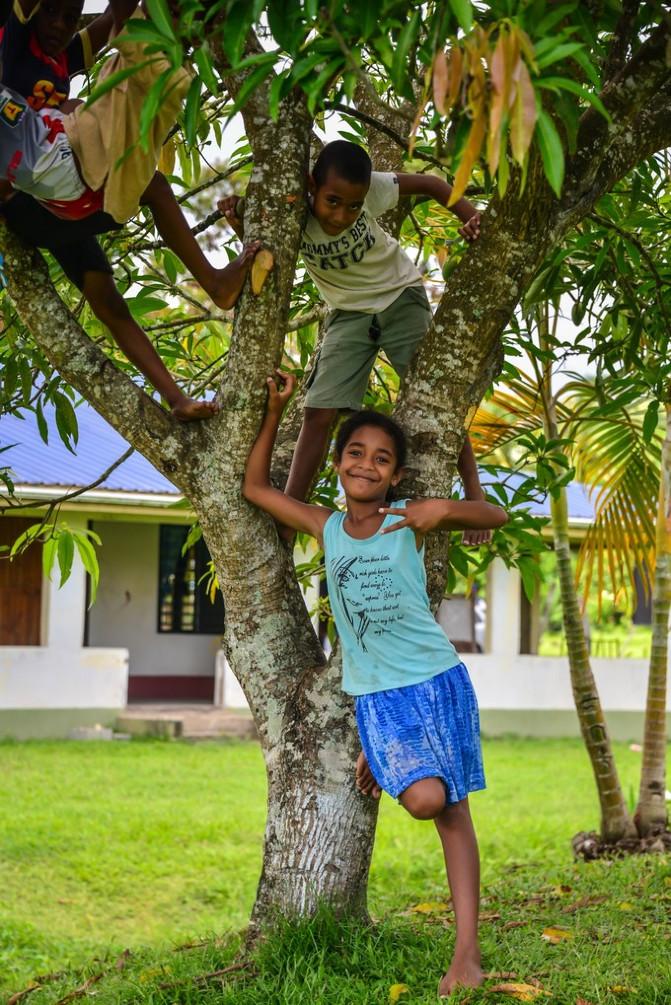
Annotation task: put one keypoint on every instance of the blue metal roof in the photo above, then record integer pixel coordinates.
(35, 463)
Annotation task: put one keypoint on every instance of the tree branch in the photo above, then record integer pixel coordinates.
(55, 501)
(168, 444)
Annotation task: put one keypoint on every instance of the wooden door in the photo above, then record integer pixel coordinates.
(20, 588)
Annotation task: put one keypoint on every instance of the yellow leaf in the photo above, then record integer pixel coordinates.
(455, 69)
(501, 64)
(556, 935)
(468, 159)
(263, 263)
(522, 992)
(622, 989)
(395, 992)
(626, 906)
(431, 907)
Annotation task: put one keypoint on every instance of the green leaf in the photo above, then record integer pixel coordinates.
(66, 554)
(399, 66)
(89, 561)
(552, 151)
(115, 79)
(66, 420)
(463, 11)
(559, 52)
(201, 58)
(48, 556)
(552, 83)
(254, 80)
(239, 20)
(42, 427)
(159, 12)
(151, 103)
(650, 421)
(191, 112)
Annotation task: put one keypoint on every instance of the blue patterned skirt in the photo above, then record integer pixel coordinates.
(427, 730)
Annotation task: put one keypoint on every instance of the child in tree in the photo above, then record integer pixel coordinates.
(375, 293)
(62, 179)
(416, 710)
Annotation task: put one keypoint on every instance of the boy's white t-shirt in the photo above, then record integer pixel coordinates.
(363, 268)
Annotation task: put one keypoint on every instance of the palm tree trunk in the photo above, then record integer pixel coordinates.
(651, 814)
(616, 822)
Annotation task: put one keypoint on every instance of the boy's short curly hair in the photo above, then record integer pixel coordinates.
(348, 160)
(367, 417)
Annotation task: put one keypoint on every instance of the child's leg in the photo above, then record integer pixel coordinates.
(425, 800)
(110, 307)
(310, 449)
(223, 285)
(462, 860)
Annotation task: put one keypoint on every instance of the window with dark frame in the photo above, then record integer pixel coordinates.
(184, 605)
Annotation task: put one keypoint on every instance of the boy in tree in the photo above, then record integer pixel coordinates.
(375, 293)
(82, 193)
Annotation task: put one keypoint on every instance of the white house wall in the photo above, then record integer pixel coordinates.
(126, 609)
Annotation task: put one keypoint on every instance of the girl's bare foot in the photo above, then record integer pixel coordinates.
(364, 780)
(190, 410)
(465, 972)
(227, 283)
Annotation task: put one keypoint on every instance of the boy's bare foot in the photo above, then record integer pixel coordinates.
(364, 780)
(190, 410)
(227, 283)
(464, 972)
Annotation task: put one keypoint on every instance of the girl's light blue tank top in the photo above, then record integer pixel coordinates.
(377, 590)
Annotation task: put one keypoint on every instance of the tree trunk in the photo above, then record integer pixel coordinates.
(616, 822)
(651, 813)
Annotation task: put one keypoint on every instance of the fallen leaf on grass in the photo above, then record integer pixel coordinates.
(626, 906)
(556, 935)
(562, 889)
(583, 902)
(514, 924)
(395, 992)
(521, 992)
(16, 998)
(582, 1001)
(500, 975)
(622, 989)
(431, 907)
(489, 916)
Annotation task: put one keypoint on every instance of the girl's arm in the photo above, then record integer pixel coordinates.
(423, 515)
(440, 191)
(257, 488)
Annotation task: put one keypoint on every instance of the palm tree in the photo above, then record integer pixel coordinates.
(610, 454)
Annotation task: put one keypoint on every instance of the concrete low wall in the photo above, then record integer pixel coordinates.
(47, 690)
(531, 695)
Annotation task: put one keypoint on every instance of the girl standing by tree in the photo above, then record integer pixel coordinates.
(416, 710)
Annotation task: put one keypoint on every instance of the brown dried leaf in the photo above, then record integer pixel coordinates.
(440, 81)
(455, 67)
(261, 268)
(582, 1001)
(521, 992)
(501, 64)
(583, 902)
(523, 119)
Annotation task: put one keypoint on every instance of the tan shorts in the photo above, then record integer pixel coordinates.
(353, 340)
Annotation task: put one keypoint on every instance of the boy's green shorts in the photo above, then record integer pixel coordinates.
(352, 341)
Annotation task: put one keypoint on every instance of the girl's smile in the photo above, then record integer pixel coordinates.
(368, 466)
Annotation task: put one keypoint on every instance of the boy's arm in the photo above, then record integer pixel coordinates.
(121, 11)
(100, 29)
(257, 488)
(440, 191)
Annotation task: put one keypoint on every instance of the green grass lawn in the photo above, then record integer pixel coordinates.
(148, 846)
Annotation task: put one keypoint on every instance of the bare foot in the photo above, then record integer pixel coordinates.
(190, 410)
(474, 538)
(364, 780)
(464, 972)
(226, 285)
